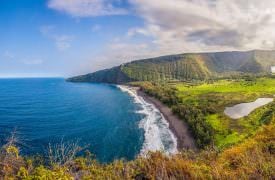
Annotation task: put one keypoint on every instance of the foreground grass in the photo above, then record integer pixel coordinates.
(252, 159)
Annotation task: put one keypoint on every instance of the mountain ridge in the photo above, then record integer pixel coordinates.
(186, 66)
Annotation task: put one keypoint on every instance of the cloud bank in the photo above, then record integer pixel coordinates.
(207, 25)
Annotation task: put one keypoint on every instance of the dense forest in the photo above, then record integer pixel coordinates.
(186, 67)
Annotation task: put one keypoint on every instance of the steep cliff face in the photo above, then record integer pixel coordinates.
(197, 66)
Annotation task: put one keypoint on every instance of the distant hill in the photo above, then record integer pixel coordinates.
(189, 66)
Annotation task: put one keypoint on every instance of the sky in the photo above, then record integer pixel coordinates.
(44, 38)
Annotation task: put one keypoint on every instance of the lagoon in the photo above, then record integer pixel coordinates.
(244, 109)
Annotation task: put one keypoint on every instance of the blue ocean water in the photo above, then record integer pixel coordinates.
(100, 117)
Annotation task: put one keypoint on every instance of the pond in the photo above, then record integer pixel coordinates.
(244, 109)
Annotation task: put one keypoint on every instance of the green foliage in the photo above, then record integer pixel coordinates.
(179, 67)
(216, 122)
(200, 128)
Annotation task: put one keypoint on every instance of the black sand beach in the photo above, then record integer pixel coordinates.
(177, 126)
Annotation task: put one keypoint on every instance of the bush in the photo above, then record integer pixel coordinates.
(202, 131)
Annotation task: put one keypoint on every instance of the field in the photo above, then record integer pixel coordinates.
(208, 100)
(223, 93)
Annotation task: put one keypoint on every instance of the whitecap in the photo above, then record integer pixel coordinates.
(157, 135)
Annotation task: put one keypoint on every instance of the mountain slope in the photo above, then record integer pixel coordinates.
(190, 66)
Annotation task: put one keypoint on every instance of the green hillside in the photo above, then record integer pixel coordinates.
(182, 67)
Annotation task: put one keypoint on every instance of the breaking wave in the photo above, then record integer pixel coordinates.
(158, 136)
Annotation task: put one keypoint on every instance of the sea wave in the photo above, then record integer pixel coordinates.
(158, 136)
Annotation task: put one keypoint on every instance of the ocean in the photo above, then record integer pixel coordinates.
(111, 122)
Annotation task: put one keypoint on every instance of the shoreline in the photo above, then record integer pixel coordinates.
(179, 128)
(158, 136)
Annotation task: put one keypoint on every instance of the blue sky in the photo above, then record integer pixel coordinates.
(70, 37)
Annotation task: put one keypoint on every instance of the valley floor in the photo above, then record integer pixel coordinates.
(201, 106)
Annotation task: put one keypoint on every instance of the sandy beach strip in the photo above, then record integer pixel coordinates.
(179, 128)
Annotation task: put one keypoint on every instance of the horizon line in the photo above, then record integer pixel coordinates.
(29, 77)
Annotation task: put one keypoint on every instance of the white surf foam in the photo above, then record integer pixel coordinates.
(158, 136)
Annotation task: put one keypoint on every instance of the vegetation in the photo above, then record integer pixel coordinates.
(252, 159)
(186, 67)
(197, 87)
(202, 104)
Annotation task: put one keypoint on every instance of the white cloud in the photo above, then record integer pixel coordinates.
(87, 8)
(62, 41)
